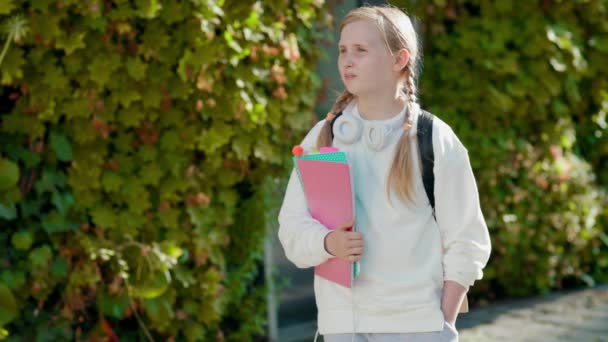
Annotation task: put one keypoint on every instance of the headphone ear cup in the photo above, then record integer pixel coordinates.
(347, 129)
(374, 136)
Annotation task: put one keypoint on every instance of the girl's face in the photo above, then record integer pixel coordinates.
(365, 63)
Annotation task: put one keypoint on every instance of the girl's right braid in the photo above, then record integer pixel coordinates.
(325, 136)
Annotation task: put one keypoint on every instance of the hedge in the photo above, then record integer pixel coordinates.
(135, 137)
(524, 84)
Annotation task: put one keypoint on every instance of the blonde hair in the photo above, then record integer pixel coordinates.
(398, 33)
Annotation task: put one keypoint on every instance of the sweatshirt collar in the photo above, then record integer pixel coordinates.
(393, 124)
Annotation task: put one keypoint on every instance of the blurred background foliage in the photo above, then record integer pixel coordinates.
(144, 144)
(525, 86)
(135, 138)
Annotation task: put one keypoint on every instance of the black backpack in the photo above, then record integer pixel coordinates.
(425, 149)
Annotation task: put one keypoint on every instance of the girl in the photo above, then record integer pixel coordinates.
(416, 264)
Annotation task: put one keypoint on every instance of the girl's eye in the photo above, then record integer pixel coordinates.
(360, 49)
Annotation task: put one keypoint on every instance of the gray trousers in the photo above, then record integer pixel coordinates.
(448, 334)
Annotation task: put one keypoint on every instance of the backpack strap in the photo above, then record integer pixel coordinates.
(427, 156)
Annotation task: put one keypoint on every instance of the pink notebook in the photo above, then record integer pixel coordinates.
(329, 194)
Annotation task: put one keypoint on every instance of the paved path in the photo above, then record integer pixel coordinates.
(569, 316)
(573, 316)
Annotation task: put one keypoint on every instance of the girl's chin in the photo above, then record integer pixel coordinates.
(351, 89)
(355, 91)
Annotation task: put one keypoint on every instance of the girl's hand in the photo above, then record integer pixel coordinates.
(345, 244)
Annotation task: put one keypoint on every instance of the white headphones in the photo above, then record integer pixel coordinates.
(348, 129)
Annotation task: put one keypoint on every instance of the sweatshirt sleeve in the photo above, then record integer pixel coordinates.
(302, 236)
(465, 237)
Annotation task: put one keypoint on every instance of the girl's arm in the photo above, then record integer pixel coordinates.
(464, 234)
(301, 235)
(453, 295)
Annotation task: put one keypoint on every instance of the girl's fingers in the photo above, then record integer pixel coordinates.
(356, 251)
(355, 244)
(355, 236)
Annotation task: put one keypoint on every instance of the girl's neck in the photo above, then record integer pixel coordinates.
(378, 107)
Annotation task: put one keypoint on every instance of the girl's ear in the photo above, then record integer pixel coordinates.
(402, 57)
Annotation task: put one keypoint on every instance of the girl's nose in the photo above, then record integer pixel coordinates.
(348, 63)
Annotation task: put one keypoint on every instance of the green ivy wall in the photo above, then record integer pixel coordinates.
(525, 86)
(134, 140)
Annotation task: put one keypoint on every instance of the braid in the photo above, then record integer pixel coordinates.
(410, 83)
(342, 101)
(400, 175)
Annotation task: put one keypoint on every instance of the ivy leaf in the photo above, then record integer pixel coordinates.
(71, 43)
(14, 279)
(16, 122)
(148, 8)
(30, 207)
(127, 95)
(136, 69)
(8, 305)
(6, 6)
(104, 217)
(9, 174)
(102, 67)
(111, 181)
(195, 331)
(59, 268)
(114, 306)
(184, 64)
(170, 218)
(264, 151)
(154, 39)
(132, 116)
(62, 201)
(153, 285)
(55, 79)
(22, 240)
(76, 108)
(151, 174)
(151, 97)
(242, 146)
(29, 157)
(170, 141)
(159, 310)
(129, 222)
(215, 137)
(42, 5)
(40, 257)
(56, 223)
(137, 196)
(8, 211)
(50, 180)
(61, 146)
(98, 23)
(171, 249)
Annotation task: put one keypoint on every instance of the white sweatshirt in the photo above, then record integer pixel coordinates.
(407, 253)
